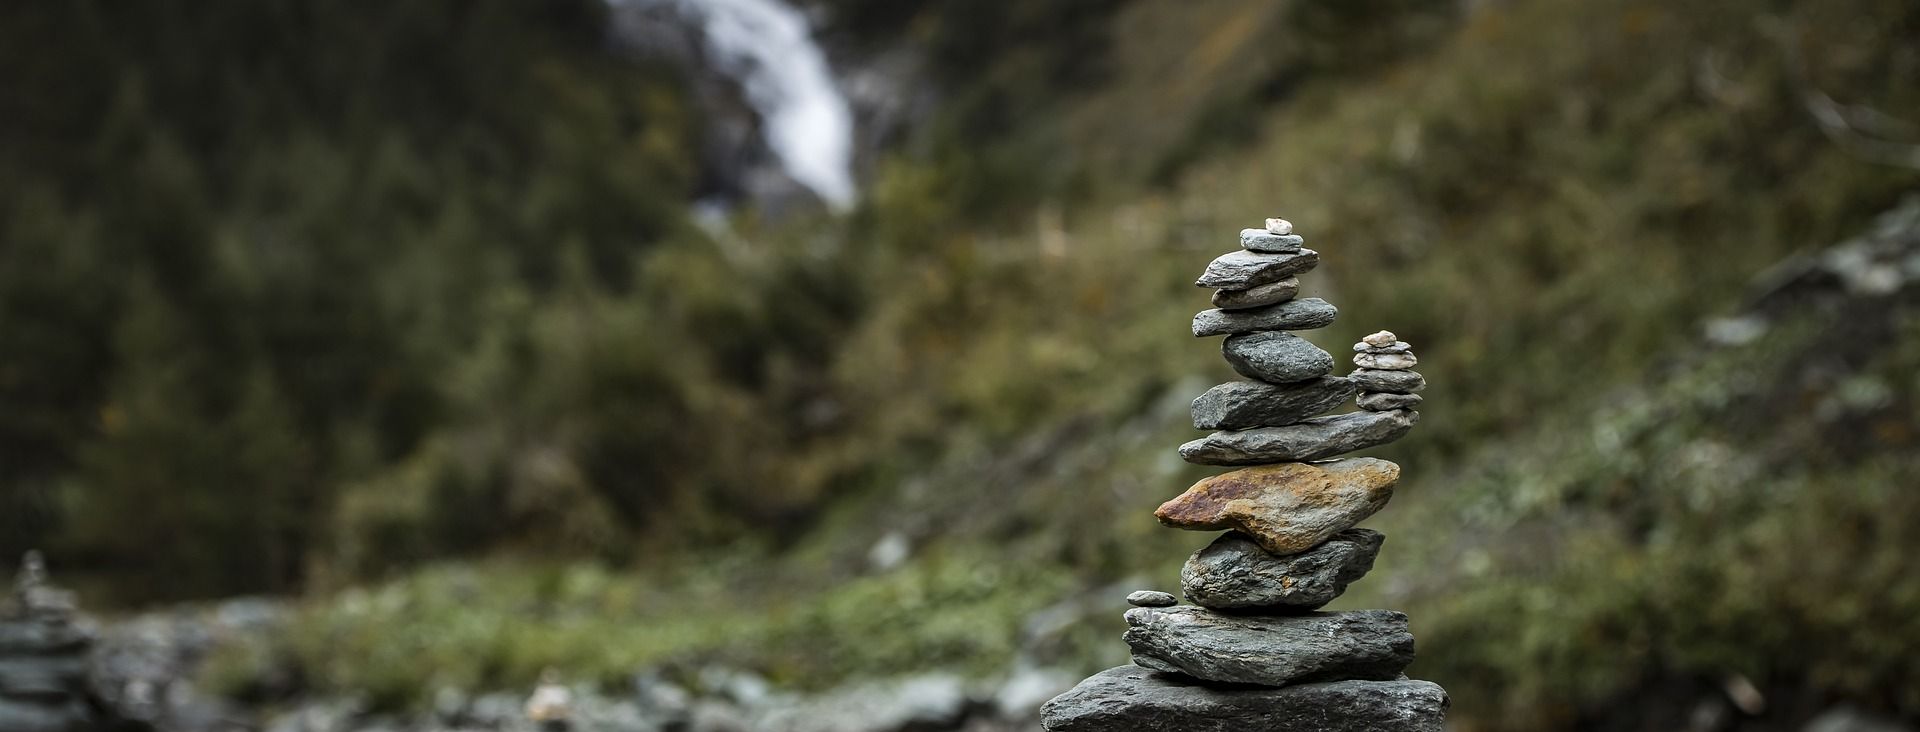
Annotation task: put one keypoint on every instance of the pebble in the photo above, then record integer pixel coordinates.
(1151, 598)
(1305, 314)
(1243, 270)
(1276, 357)
(1266, 294)
(1381, 339)
(1395, 382)
(1385, 361)
(1234, 573)
(1286, 508)
(1311, 439)
(1261, 240)
(1385, 402)
(1367, 645)
(1279, 226)
(1238, 405)
(1132, 698)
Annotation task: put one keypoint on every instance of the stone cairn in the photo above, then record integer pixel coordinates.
(1253, 652)
(44, 660)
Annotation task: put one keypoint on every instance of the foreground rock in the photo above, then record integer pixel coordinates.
(1286, 508)
(1371, 645)
(1135, 699)
(1313, 439)
(1243, 269)
(1238, 405)
(1305, 314)
(1234, 573)
(1275, 357)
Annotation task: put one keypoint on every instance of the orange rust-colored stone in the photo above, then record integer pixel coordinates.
(1287, 508)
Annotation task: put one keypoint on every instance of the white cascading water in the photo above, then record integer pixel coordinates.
(767, 47)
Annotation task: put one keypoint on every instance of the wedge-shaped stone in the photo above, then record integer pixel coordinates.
(1135, 699)
(1275, 357)
(1266, 294)
(1305, 314)
(1274, 650)
(1287, 508)
(1238, 405)
(1313, 439)
(1243, 269)
(1234, 573)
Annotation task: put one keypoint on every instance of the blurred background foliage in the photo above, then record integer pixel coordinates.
(402, 307)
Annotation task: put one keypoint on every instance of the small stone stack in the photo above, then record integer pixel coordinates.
(1253, 653)
(44, 659)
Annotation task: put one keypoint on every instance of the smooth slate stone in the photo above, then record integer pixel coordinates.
(1261, 240)
(1287, 508)
(1134, 699)
(1238, 405)
(1244, 270)
(1151, 598)
(1397, 347)
(1305, 314)
(1313, 439)
(1385, 361)
(1393, 382)
(1234, 573)
(1266, 294)
(1274, 650)
(1383, 401)
(1275, 357)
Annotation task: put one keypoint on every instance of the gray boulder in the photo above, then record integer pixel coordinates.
(1275, 357)
(1134, 699)
(1238, 405)
(1313, 439)
(1243, 269)
(1305, 314)
(1278, 650)
(1235, 573)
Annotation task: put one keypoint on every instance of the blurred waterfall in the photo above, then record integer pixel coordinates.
(767, 47)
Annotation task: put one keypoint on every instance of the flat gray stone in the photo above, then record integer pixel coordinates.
(1276, 357)
(1397, 347)
(1238, 405)
(1134, 699)
(1151, 598)
(1243, 269)
(1392, 382)
(1313, 439)
(1261, 240)
(1234, 573)
(1305, 314)
(1267, 294)
(1271, 650)
(1385, 361)
(1385, 401)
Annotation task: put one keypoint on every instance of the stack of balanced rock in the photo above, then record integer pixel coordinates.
(1252, 652)
(44, 659)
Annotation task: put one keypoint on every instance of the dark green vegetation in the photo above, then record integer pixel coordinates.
(298, 307)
